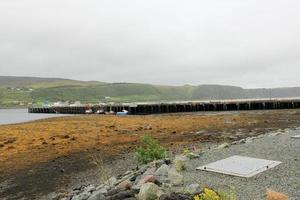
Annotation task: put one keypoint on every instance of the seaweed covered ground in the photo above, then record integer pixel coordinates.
(39, 157)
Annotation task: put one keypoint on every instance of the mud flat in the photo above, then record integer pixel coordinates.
(40, 157)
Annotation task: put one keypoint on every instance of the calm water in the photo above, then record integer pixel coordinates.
(11, 116)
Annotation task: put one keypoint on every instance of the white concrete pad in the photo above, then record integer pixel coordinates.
(296, 136)
(240, 166)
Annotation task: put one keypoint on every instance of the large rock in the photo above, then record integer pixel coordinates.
(122, 195)
(111, 181)
(175, 178)
(90, 188)
(82, 196)
(162, 170)
(148, 179)
(125, 185)
(149, 191)
(156, 163)
(144, 179)
(150, 171)
(179, 163)
(161, 174)
(97, 195)
(175, 196)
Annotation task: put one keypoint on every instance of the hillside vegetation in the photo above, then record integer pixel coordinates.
(21, 91)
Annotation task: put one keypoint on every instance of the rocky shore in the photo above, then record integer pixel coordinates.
(177, 179)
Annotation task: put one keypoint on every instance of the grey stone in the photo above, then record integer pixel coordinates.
(222, 146)
(123, 195)
(90, 188)
(128, 172)
(249, 140)
(127, 184)
(162, 179)
(102, 190)
(113, 191)
(111, 182)
(150, 171)
(192, 189)
(175, 178)
(97, 195)
(82, 196)
(162, 170)
(175, 196)
(200, 133)
(157, 163)
(55, 196)
(149, 191)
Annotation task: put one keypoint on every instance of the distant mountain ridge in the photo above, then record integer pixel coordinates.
(19, 91)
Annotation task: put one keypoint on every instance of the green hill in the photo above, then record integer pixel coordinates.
(21, 91)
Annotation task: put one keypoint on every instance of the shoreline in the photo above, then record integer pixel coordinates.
(59, 148)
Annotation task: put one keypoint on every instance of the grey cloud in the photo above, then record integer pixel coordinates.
(251, 43)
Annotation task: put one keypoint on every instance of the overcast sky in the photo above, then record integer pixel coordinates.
(248, 43)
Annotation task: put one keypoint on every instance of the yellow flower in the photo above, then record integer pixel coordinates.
(197, 197)
(209, 194)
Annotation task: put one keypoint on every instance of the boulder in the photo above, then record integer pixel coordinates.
(175, 178)
(123, 195)
(90, 188)
(162, 170)
(111, 181)
(82, 196)
(144, 179)
(97, 195)
(148, 179)
(175, 196)
(156, 163)
(149, 191)
(125, 185)
(150, 171)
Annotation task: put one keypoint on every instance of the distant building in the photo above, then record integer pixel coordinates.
(61, 104)
(75, 104)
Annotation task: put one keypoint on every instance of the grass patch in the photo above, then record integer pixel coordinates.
(149, 150)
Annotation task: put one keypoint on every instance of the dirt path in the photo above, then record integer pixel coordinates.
(39, 157)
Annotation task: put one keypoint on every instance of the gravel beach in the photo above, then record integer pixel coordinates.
(283, 178)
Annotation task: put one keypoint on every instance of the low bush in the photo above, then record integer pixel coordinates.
(149, 150)
(210, 194)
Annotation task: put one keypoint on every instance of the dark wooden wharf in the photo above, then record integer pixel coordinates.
(177, 107)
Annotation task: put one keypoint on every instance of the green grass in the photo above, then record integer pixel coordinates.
(149, 150)
(40, 90)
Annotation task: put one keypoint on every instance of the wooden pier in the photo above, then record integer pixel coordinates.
(177, 107)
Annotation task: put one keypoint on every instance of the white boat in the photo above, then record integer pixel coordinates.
(89, 111)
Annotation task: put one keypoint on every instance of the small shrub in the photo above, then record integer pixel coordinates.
(97, 160)
(186, 152)
(209, 194)
(149, 150)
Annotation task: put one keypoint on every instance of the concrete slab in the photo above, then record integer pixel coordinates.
(296, 136)
(240, 166)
